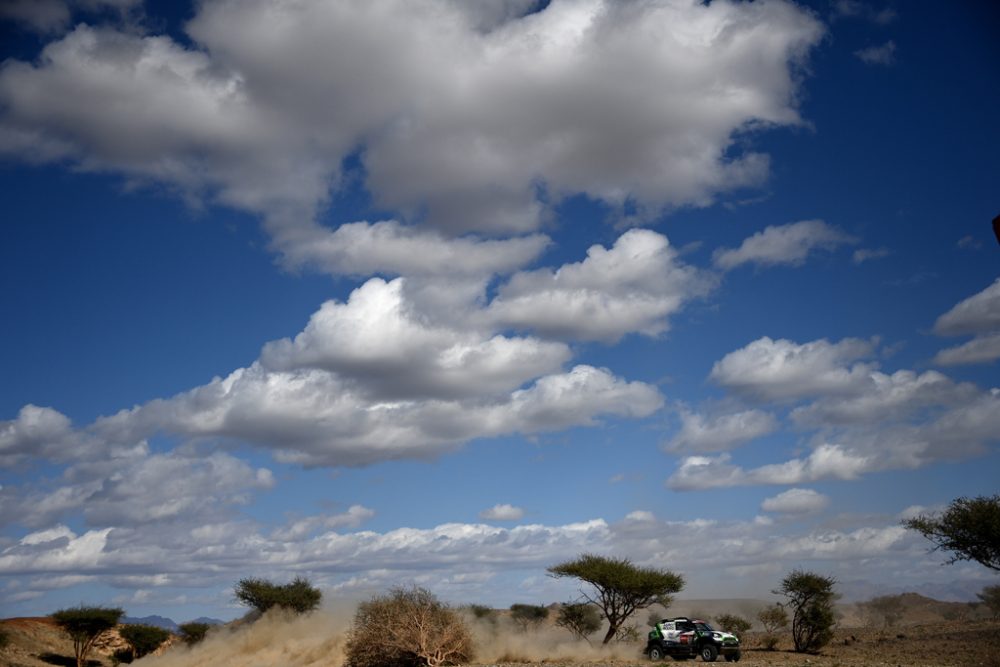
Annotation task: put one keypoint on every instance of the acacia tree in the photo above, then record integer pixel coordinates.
(969, 529)
(811, 597)
(143, 639)
(299, 596)
(84, 625)
(580, 618)
(620, 588)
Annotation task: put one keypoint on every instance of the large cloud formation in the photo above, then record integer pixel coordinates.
(382, 377)
(858, 418)
(475, 116)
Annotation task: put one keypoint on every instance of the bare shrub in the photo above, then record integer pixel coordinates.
(774, 619)
(407, 627)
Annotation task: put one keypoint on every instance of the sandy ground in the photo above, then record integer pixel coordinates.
(317, 640)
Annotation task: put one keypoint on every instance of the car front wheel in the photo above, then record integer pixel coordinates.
(709, 653)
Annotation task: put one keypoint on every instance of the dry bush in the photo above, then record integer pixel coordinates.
(886, 609)
(774, 619)
(405, 628)
(734, 624)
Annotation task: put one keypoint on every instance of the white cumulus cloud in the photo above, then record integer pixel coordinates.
(978, 315)
(632, 287)
(783, 244)
(713, 433)
(472, 119)
(796, 501)
(768, 369)
(502, 512)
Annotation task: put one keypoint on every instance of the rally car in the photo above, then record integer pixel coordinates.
(684, 639)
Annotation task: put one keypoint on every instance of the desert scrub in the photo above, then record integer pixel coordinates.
(143, 639)
(407, 627)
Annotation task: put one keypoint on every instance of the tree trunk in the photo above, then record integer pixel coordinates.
(612, 629)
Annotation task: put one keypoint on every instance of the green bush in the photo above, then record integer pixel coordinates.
(144, 639)
(299, 596)
(527, 616)
(192, 633)
(4, 638)
(483, 613)
(734, 624)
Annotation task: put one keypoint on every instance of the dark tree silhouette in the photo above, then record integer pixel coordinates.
(299, 596)
(144, 639)
(969, 529)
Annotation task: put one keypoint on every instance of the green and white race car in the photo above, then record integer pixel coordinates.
(684, 639)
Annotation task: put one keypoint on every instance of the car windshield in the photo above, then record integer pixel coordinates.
(703, 627)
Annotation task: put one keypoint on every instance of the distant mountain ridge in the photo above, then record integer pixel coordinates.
(166, 623)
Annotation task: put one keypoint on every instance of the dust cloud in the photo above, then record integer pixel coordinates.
(275, 640)
(313, 640)
(502, 641)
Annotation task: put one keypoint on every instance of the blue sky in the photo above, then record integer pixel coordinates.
(445, 293)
